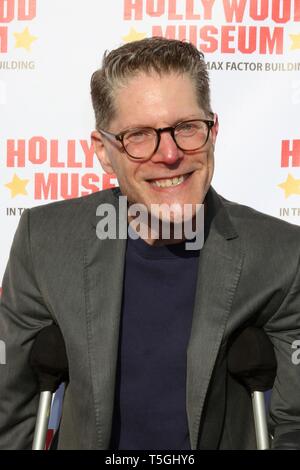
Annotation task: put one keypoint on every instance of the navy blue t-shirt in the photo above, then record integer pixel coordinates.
(158, 301)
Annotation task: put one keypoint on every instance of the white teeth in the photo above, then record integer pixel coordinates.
(169, 182)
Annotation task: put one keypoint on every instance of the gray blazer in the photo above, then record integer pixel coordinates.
(59, 271)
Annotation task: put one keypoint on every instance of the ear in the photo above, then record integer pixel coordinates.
(215, 129)
(101, 152)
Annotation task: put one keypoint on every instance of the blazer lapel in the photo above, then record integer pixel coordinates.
(220, 265)
(103, 280)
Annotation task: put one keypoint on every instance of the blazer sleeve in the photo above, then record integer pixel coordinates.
(22, 314)
(284, 331)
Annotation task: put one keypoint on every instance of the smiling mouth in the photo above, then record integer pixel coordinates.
(169, 182)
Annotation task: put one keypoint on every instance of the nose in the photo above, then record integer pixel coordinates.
(167, 151)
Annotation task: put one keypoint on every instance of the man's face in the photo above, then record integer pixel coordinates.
(158, 101)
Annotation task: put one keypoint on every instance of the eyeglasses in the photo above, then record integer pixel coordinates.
(141, 143)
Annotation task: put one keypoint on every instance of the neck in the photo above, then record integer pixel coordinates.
(157, 232)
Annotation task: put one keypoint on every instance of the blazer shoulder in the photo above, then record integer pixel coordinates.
(91, 200)
(243, 214)
(260, 228)
(71, 216)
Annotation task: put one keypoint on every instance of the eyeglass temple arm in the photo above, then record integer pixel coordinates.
(112, 137)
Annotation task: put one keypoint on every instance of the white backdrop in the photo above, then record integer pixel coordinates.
(49, 49)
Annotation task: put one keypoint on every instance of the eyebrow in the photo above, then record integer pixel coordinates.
(177, 121)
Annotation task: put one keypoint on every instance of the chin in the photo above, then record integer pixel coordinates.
(173, 212)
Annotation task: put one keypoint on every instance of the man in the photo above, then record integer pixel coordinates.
(146, 322)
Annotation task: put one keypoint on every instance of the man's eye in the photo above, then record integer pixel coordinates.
(187, 127)
(139, 136)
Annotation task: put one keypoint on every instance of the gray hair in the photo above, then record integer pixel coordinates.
(156, 54)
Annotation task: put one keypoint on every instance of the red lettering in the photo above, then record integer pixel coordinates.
(71, 155)
(109, 181)
(89, 153)
(242, 40)
(7, 11)
(54, 163)
(290, 152)
(269, 42)
(152, 11)
(189, 11)
(69, 189)
(234, 10)
(206, 35)
(15, 152)
(40, 150)
(229, 39)
(133, 10)
(226, 38)
(66, 185)
(45, 186)
(3, 38)
(277, 15)
(37, 150)
(208, 5)
(87, 183)
(297, 10)
(26, 10)
(264, 9)
(172, 11)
